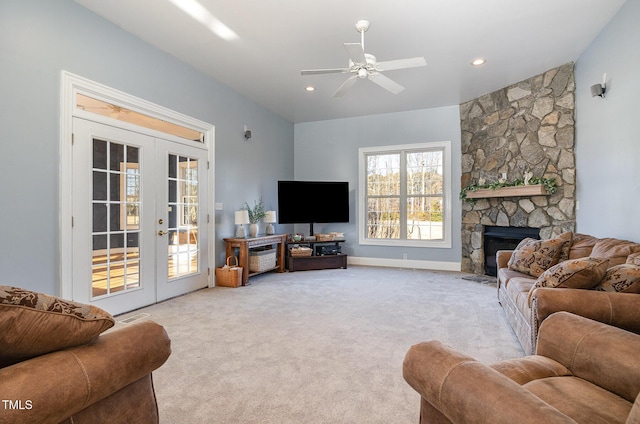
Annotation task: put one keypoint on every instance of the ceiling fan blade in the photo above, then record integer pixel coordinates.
(390, 65)
(324, 71)
(386, 83)
(345, 86)
(356, 52)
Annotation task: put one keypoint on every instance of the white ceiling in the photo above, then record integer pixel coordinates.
(278, 38)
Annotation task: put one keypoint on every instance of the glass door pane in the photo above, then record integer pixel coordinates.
(116, 205)
(183, 208)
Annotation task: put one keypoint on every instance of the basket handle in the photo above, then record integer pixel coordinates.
(236, 261)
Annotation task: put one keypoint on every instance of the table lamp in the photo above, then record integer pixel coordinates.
(242, 218)
(270, 219)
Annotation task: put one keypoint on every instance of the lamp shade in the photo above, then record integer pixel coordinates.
(270, 216)
(242, 217)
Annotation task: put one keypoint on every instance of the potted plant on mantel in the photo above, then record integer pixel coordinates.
(256, 214)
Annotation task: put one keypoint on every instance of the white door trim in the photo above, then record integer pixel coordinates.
(70, 85)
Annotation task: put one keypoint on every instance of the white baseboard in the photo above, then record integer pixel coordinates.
(404, 263)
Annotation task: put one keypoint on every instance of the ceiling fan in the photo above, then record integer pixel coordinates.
(363, 65)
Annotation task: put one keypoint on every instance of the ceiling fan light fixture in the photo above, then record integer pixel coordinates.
(365, 66)
(478, 62)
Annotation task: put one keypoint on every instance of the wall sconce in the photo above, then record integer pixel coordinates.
(270, 219)
(599, 89)
(247, 133)
(242, 218)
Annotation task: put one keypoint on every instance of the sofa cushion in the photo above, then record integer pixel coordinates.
(33, 324)
(534, 257)
(624, 278)
(505, 275)
(615, 250)
(633, 259)
(583, 273)
(518, 290)
(580, 399)
(582, 245)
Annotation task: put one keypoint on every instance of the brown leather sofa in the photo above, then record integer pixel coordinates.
(584, 371)
(526, 311)
(56, 367)
(108, 381)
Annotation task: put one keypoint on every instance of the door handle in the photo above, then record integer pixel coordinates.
(162, 233)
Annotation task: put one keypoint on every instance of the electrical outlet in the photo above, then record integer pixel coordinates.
(219, 206)
(404, 256)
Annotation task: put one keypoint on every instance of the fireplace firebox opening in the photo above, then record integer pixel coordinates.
(503, 238)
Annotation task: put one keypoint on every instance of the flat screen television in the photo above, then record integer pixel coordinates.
(309, 202)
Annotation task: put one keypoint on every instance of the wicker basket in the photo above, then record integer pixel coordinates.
(229, 275)
(262, 260)
(300, 251)
(324, 237)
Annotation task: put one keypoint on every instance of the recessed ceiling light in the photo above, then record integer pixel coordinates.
(478, 62)
(310, 88)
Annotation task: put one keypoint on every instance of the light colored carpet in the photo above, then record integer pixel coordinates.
(320, 347)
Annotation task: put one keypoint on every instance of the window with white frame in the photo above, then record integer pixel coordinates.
(405, 196)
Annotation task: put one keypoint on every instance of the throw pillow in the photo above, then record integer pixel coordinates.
(533, 257)
(624, 278)
(33, 324)
(582, 273)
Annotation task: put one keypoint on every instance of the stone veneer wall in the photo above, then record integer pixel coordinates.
(528, 126)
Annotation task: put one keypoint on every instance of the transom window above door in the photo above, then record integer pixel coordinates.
(104, 108)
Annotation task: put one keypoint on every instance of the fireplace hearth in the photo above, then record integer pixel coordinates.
(503, 238)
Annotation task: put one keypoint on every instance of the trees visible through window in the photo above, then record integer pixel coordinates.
(404, 193)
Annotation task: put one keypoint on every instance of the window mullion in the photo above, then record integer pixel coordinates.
(403, 195)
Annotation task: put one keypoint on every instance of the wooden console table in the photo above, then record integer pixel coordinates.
(244, 244)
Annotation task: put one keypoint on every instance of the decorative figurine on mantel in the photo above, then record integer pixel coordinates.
(527, 177)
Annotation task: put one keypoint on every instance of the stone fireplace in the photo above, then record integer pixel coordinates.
(526, 127)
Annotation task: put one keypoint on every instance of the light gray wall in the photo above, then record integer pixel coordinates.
(39, 39)
(607, 136)
(328, 150)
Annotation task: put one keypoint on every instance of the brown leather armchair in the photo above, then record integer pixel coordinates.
(107, 381)
(583, 372)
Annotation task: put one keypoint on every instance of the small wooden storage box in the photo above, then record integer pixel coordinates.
(262, 260)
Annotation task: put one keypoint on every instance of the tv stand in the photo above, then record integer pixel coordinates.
(317, 260)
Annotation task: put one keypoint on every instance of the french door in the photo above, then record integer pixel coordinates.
(139, 217)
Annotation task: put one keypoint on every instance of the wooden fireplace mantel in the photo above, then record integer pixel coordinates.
(515, 191)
